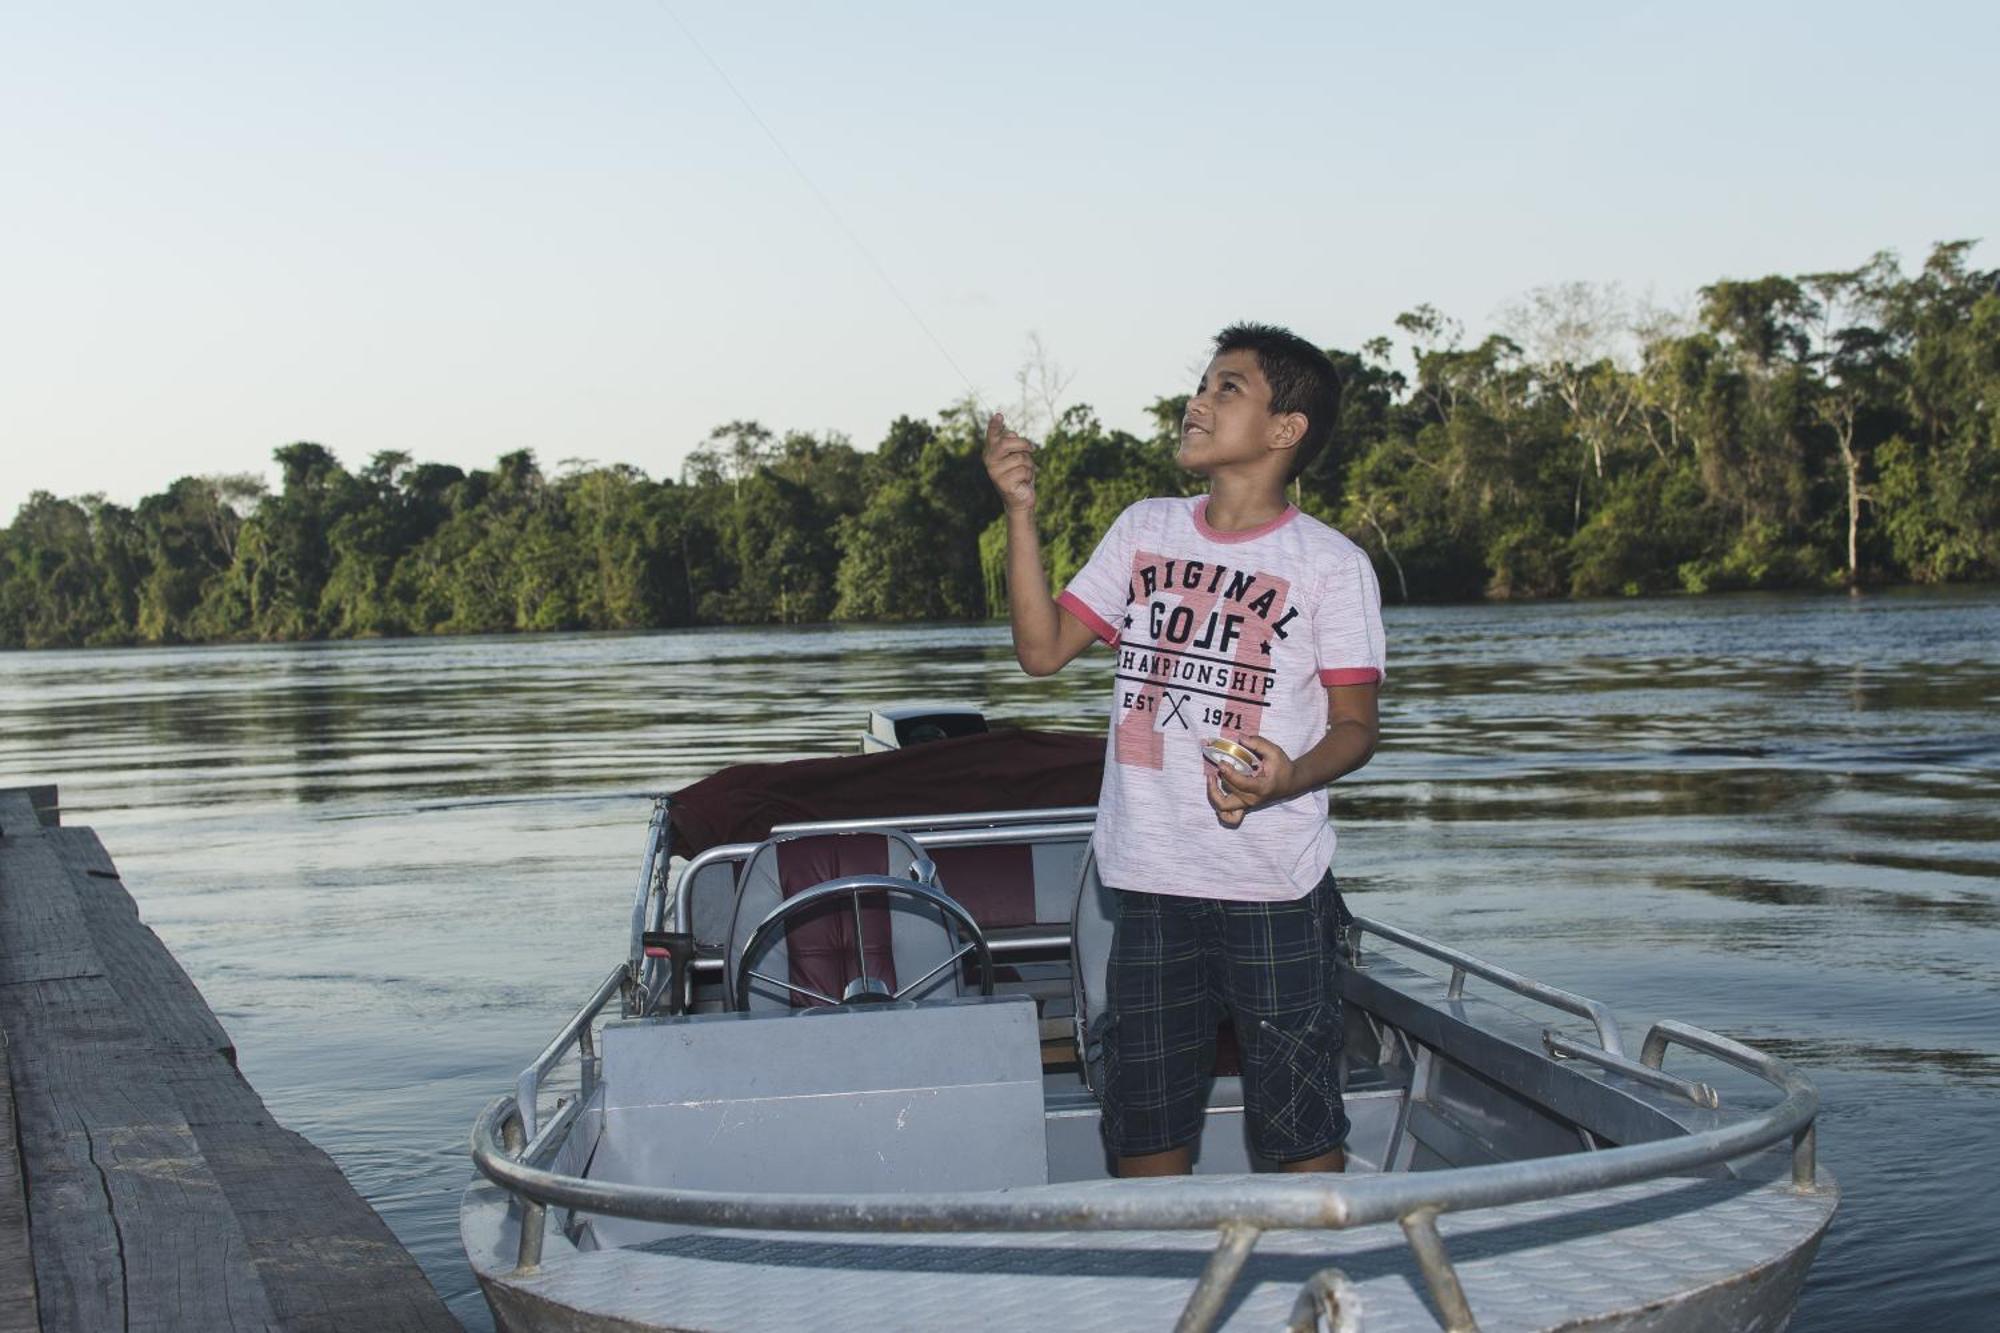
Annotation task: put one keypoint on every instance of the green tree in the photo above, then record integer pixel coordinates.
(1939, 492)
(284, 553)
(67, 574)
(784, 555)
(913, 552)
(190, 537)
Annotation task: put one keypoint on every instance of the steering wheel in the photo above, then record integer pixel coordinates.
(864, 989)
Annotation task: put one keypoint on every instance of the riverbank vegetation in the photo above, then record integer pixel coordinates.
(1787, 432)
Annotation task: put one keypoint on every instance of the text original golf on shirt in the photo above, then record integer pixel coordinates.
(1220, 634)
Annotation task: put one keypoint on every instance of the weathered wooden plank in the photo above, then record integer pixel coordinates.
(327, 1259)
(42, 809)
(17, 813)
(158, 1191)
(131, 1228)
(17, 1261)
(84, 853)
(140, 967)
(43, 933)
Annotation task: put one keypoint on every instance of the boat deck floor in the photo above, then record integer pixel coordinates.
(1523, 1266)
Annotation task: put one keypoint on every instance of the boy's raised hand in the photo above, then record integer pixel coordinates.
(1010, 462)
(1233, 794)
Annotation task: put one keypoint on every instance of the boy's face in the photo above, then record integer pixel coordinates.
(1229, 419)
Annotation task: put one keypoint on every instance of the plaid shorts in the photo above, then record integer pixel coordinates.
(1177, 964)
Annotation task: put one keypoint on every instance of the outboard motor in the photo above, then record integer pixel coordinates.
(900, 726)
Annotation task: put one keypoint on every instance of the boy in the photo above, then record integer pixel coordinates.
(1233, 615)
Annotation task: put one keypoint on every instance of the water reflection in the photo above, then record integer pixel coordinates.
(1967, 910)
(1973, 1067)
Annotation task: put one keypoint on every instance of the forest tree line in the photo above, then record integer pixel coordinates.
(1790, 432)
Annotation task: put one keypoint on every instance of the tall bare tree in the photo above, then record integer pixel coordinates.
(1040, 384)
(1848, 348)
(1571, 332)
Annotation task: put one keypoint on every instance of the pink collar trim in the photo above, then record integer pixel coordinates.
(1243, 535)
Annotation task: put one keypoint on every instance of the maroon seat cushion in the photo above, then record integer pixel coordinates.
(820, 943)
(995, 883)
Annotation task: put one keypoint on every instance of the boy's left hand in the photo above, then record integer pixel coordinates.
(1233, 794)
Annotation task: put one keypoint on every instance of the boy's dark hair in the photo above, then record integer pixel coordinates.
(1302, 380)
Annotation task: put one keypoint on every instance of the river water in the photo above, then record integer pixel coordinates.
(394, 868)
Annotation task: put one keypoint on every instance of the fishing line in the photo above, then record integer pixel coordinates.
(820, 195)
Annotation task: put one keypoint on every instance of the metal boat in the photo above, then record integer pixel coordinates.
(843, 1079)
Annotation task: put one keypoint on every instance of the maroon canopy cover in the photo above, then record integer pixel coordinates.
(1000, 770)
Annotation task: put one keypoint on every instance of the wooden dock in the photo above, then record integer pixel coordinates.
(143, 1184)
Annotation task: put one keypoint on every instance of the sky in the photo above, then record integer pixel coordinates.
(598, 230)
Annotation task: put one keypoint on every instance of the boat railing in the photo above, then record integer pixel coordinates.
(991, 819)
(576, 1034)
(511, 1149)
(651, 890)
(1464, 964)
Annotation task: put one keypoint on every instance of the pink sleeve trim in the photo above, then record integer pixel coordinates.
(1350, 676)
(1073, 604)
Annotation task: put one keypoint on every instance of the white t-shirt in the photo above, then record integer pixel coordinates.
(1220, 634)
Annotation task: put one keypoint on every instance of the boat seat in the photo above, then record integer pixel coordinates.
(1005, 886)
(901, 937)
(1090, 925)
